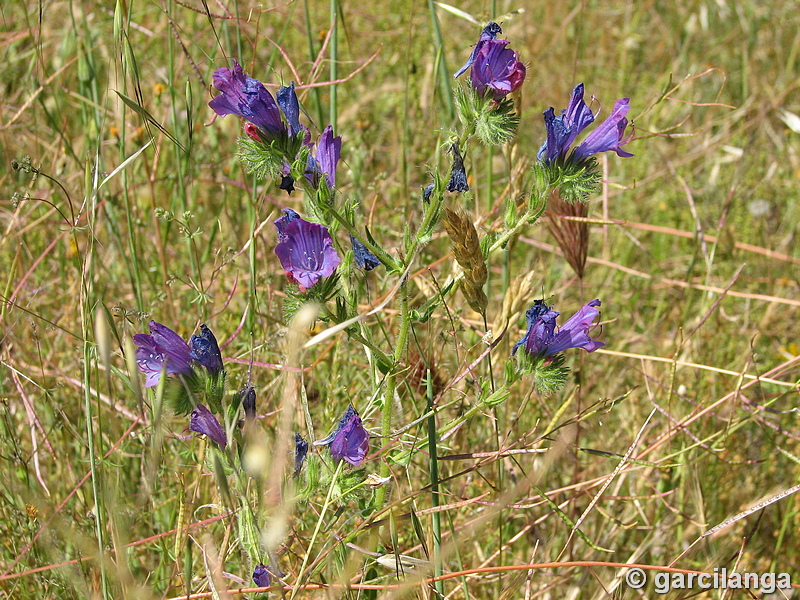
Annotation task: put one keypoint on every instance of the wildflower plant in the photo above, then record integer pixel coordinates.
(320, 267)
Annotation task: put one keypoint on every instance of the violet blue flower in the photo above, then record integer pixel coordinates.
(458, 175)
(202, 421)
(564, 129)
(261, 576)
(323, 159)
(364, 258)
(497, 68)
(542, 337)
(162, 346)
(306, 251)
(350, 440)
(246, 97)
(608, 136)
(205, 350)
(300, 452)
(490, 32)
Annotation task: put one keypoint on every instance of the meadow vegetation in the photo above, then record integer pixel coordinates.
(123, 201)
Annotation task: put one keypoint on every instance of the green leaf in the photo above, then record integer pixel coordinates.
(142, 112)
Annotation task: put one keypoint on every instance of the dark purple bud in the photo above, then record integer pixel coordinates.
(246, 97)
(364, 258)
(306, 252)
(300, 452)
(350, 440)
(497, 68)
(287, 100)
(426, 193)
(248, 396)
(543, 339)
(162, 346)
(205, 350)
(261, 576)
(287, 183)
(490, 32)
(458, 175)
(202, 421)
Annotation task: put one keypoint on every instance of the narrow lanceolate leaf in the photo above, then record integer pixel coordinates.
(143, 112)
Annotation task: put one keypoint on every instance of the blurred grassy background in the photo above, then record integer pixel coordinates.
(181, 235)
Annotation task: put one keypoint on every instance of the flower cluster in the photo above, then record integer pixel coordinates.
(485, 107)
(198, 365)
(564, 129)
(542, 340)
(276, 142)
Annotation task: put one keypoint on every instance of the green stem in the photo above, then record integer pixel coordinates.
(391, 386)
(334, 62)
(328, 501)
(434, 477)
(383, 256)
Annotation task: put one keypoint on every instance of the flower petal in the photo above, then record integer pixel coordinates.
(608, 135)
(204, 422)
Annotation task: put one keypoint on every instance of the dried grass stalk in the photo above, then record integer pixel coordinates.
(571, 236)
(467, 251)
(517, 298)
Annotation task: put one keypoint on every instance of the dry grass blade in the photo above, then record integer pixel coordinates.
(571, 235)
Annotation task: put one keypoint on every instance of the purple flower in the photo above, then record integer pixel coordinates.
(323, 159)
(458, 175)
(564, 129)
(350, 441)
(608, 136)
(261, 576)
(202, 421)
(246, 97)
(542, 337)
(162, 346)
(497, 68)
(300, 452)
(306, 251)
(490, 32)
(364, 258)
(205, 350)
